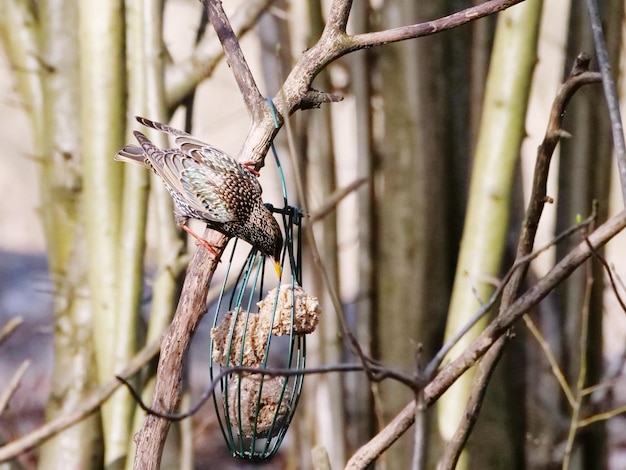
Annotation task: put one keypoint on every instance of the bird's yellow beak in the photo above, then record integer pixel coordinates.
(279, 270)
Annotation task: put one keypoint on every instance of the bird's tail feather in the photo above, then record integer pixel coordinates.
(131, 153)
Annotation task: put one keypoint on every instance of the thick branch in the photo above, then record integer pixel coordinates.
(338, 16)
(333, 44)
(183, 77)
(235, 58)
(167, 391)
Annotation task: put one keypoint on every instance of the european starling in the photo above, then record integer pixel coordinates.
(211, 186)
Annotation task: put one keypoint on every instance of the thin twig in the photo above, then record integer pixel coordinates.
(582, 373)
(334, 199)
(601, 416)
(610, 91)
(609, 273)
(9, 327)
(12, 385)
(554, 364)
(420, 436)
(382, 374)
(367, 362)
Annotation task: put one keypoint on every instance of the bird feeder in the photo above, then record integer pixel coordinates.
(261, 323)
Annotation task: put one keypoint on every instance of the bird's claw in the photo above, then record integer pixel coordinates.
(251, 167)
(201, 241)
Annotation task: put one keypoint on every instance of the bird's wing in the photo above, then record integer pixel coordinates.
(202, 185)
(201, 152)
(205, 153)
(168, 164)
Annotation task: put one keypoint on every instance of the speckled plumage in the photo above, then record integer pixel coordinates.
(209, 185)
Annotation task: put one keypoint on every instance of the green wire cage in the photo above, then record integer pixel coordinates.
(261, 322)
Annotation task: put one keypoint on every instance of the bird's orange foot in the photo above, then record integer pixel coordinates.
(250, 166)
(201, 241)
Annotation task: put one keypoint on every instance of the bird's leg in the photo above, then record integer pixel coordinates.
(250, 166)
(200, 241)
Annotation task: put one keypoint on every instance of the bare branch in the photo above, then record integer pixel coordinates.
(235, 58)
(90, 405)
(334, 199)
(528, 300)
(333, 44)
(450, 373)
(226, 371)
(609, 273)
(12, 385)
(554, 365)
(486, 307)
(537, 201)
(582, 372)
(191, 307)
(9, 327)
(182, 78)
(601, 416)
(485, 370)
(610, 91)
(338, 17)
(365, 40)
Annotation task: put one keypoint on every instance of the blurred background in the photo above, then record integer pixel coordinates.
(80, 230)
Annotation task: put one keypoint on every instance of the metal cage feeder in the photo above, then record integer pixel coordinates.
(261, 322)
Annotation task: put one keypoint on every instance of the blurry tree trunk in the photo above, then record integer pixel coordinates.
(102, 68)
(487, 221)
(146, 97)
(412, 257)
(359, 409)
(43, 51)
(62, 213)
(321, 181)
(584, 177)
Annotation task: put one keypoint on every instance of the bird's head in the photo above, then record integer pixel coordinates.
(270, 239)
(278, 248)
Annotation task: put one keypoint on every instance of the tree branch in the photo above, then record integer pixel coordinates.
(191, 307)
(610, 91)
(89, 406)
(181, 78)
(12, 385)
(451, 372)
(379, 38)
(235, 58)
(333, 44)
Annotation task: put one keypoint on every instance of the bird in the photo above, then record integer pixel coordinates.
(210, 185)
